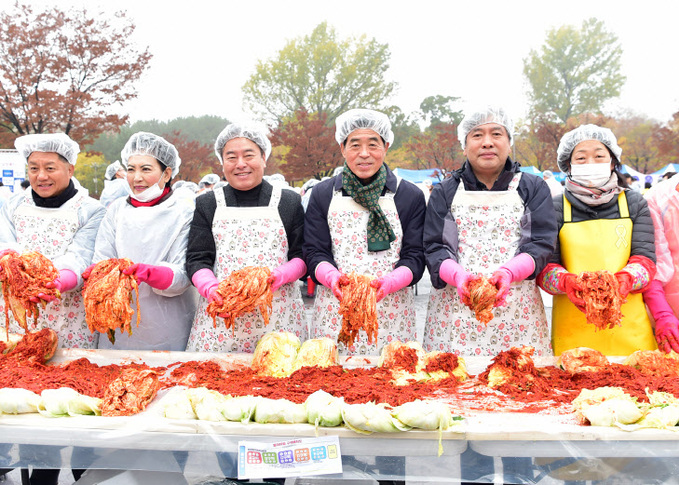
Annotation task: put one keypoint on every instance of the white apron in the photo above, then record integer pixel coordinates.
(348, 222)
(489, 231)
(50, 231)
(249, 236)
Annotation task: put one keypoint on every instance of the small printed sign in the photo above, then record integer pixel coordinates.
(294, 458)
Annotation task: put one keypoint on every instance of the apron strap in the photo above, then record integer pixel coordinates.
(622, 207)
(219, 195)
(275, 196)
(567, 210)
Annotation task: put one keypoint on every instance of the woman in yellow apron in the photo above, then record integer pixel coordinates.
(603, 225)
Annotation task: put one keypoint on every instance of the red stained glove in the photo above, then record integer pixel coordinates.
(502, 278)
(6, 251)
(88, 271)
(454, 274)
(329, 276)
(158, 277)
(625, 282)
(666, 323)
(287, 273)
(392, 282)
(569, 285)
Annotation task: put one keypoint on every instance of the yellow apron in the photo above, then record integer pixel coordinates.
(594, 245)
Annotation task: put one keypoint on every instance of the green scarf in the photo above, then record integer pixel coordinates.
(380, 233)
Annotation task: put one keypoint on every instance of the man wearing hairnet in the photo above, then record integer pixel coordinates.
(115, 184)
(58, 219)
(207, 183)
(248, 222)
(365, 220)
(151, 228)
(488, 218)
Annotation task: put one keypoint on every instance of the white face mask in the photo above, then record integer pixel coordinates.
(591, 175)
(151, 193)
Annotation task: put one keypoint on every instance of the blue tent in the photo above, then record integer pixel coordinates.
(434, 175)
(670, 167)
(530, 169)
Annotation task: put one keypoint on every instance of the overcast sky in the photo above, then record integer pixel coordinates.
(205, 50)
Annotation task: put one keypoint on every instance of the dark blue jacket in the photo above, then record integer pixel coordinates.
(410, 205)
(538, 225)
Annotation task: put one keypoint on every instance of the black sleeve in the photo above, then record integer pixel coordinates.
(201, 251)
(538, 225)
(292, 215)
(440, 230)
(557, 203)
(317, 245)
(410, 205)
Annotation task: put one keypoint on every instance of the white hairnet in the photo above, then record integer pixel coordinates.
(250, 130)
(355, 119)
(112, 169)
(490, 114)
(143, 143)
(209, 179)
(309, 184)
(547, 173)
(59, 143)
(585, 132)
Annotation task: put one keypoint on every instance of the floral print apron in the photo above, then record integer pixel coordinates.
(348, 223)
(489, 230)
(49, 232)
(249, 236)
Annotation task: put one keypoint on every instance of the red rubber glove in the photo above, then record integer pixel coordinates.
(158, 277)
(88, 271)
(455, 275)
(287, 273)
(625, 282)
(666, 323)
(207, 283)
(6, 251)
(569, 285)
(329, 276)
(392, 282)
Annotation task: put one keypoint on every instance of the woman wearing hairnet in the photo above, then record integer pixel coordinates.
(248, 222)
(602, 226)
(492, 219)
(365, 220)
(57, 218)
(151, 228)
(115, 184)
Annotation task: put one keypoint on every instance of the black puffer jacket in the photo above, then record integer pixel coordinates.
(643, 237)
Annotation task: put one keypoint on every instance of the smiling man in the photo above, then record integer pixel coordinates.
(249, 222)
(365, 220)
(58, 219)
(489, 218)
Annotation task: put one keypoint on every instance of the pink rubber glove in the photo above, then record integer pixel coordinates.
(207, 283)
(516, 269)
(66, 281)
(329, 276)
(394, 281)
(158, 277)
(287, 273)
(666, 323)
(88, 271)
(452, 273)
(6, 251)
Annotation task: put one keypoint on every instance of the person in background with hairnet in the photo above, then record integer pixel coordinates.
(151, 228)
(662, 294)
(555, 188)
(207, 183)
(115, 184)
(248, 222)
(603, 225)
(488, 218)
(58, 219)
(365, 220)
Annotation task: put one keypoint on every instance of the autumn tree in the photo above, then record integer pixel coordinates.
(636, 136)
(66, 71)
(441, 109)
(198, 159)
(667, 138)
(311, 149)
(576, 71)
(536, 142)
(436, 147)
(322, 74)
(90, 169)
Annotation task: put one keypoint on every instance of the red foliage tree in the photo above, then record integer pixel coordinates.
(66, 71)
(197, 159)
(311, 147)
(437, 147)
